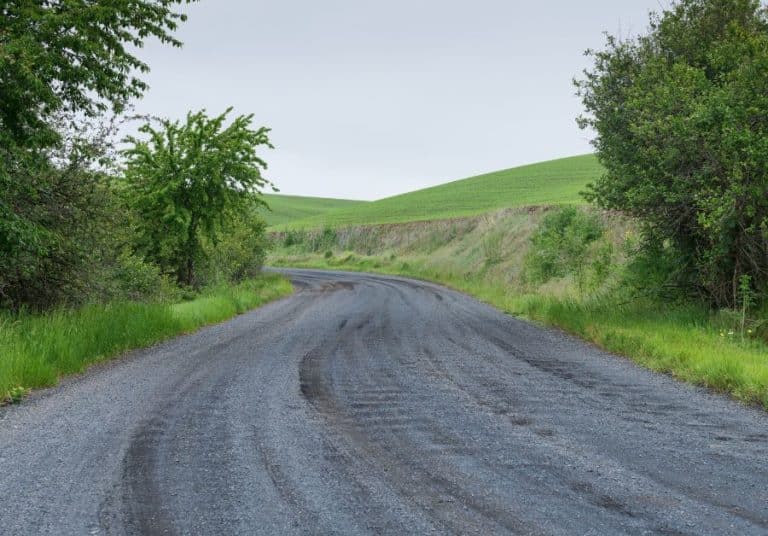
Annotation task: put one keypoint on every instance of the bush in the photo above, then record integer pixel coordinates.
(50, 222)
(559, 246)
(136, 280)
(682, 121)
(325, 240)
(294, 238)
(238, 255)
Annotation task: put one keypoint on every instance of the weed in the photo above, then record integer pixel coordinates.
(560, 244)
(35, 350)
(747, 299)
(16, 394)
(492, 248)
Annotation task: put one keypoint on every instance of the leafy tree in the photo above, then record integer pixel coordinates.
(188, 180)
(62, 63)
(681, 116)
(71, 56)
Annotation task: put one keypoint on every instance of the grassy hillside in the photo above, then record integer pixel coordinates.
(288, 208)
(546, 183)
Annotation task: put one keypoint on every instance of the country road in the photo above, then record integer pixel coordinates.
(376, 405)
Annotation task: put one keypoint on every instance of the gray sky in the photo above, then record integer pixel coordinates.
(367, 98)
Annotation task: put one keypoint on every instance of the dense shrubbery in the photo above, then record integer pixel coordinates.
(682, 122)
(238, 255)
(560, 244)
(72, 229)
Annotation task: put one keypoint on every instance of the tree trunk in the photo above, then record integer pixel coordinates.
(188, 275)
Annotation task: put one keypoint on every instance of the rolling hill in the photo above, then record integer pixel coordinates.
(546, 183)
(290, 208)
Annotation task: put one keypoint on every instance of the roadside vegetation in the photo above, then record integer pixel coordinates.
(570, 267)
(107, 244)
(39, 349)
(669, 264)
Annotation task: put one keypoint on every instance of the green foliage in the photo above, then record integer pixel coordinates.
(682, 122)
(747, 299)
(545, 183)
(132, 278)
(324, 240)
(72, 56)
(293, 238)
(16, 394)
(239, 254)
(560, 244)
(51, 219)
(188, 181)
(35, 350)
(63, 63)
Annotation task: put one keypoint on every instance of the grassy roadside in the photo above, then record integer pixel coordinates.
(36, 350)
(687, 342)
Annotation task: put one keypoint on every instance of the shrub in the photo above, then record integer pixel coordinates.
(492, 243)
(559, 246)
(324, 240)
(294, 238)
(238, 255)
(681, 116)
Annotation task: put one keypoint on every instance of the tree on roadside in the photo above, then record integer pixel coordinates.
(187, 181)
(681, 116)
(72, 56)
(62, 63)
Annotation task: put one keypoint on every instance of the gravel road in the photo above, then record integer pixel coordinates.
(375, 405)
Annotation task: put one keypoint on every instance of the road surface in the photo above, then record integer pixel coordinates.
(373, 405)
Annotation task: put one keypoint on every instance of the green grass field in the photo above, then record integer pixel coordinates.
(288, 208)
(547, 183)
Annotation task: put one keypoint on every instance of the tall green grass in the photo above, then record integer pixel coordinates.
(36, 350)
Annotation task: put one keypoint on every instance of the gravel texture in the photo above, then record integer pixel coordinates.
(378, 405)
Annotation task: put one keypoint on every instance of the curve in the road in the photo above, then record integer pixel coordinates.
(378, 405)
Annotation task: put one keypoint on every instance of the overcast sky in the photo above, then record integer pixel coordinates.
(368, 98)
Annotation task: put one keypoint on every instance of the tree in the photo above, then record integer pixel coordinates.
(188, 180)
(681, 116)
(62, 64)
(71, 56)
